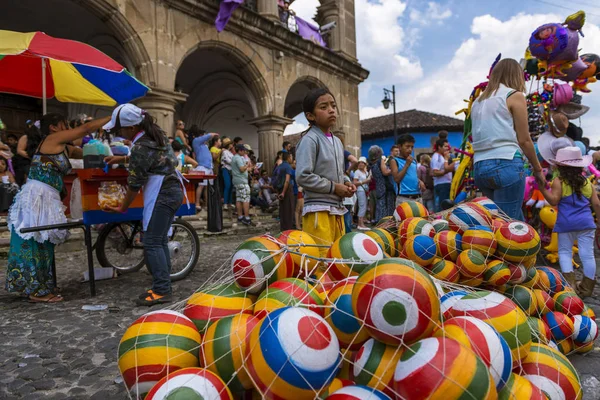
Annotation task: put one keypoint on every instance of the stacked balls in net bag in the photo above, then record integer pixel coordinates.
(448, 306)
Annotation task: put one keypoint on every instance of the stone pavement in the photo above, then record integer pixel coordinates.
(59, 351)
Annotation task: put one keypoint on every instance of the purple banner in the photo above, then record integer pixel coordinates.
(309, 32)
(226, 8)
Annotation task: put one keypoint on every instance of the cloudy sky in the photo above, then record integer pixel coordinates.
(435, 52)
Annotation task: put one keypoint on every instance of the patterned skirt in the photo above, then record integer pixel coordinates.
(29, 269)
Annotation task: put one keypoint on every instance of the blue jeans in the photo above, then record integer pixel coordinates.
(156, 249)
(228, 188)
(348, 219)
(441, 192)
(503, 182)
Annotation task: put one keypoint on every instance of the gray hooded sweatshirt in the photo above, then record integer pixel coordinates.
(319, 166)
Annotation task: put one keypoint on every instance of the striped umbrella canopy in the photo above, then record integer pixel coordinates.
(37, 65)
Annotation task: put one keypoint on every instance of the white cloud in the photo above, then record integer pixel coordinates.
(300, 124)
(306, 9)
(433, 13)
(443, 91)
(371, 112)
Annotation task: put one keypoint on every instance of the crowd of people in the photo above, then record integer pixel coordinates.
(318, 186)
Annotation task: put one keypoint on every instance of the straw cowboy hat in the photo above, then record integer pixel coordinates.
(362, 160)
(571, 157)
(548, 145)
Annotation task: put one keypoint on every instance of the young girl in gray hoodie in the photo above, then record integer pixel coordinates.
(320, 170)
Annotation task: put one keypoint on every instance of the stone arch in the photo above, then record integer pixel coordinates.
(245, 68)
(134, 47)
(296, 93)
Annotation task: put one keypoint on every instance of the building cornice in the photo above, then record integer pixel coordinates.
(256, 28)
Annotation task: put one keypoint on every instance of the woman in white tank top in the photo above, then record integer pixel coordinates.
(501, 139)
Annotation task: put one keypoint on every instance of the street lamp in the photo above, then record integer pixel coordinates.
(386, 104)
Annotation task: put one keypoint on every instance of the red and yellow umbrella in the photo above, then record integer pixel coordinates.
(37, 65)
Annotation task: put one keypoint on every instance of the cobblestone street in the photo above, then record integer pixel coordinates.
(59, 351)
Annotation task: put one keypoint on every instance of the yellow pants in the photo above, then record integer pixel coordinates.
(324, 228)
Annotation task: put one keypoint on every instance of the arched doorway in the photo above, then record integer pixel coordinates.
(225, 91)
(95, 22)
(293, 103)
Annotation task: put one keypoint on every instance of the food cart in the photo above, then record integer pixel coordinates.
(90, 180)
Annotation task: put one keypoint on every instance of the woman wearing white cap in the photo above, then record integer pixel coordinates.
(574, 194)
(29, 267)
(152, 167)
(361, 180)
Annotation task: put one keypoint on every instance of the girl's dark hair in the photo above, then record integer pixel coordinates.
(148, 125)
(35, 135)
(176, 145)
(310, 100)
(573, 177)
(212, 141)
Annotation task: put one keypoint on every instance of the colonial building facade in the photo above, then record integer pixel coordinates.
(248, 80)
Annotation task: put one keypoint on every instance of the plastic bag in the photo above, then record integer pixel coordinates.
(75, 202)
(110, 194)
(96, 148)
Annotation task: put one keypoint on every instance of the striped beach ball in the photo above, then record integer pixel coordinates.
(480, 238)
(469, 215)
(374, 365)
(545, 302)
(550, 280)
(529, 262)
(496, 273)
(561, 326)
(519, 388)
(414, 226)
(568, 303)
(444, 270)
(358, 392)
(449, 245)
(350, 332)
(190, 384)
(224, 350)
(524, 298)
(334, 386)
(448, 300)
(288, 292)
(540, 333)
(420, 249)
(155, 344)
(221, 301)
(352, 247)
(300, 242)
(471, 263)
(551, 372)
(585, 330)
(472, 282)
(502, 314)
(517, 241)
(293, 354)
(397, 300)
(488, 205)
(484, 341)
(497, 223)
(584, 348)
(441, 368)
(384, 239)
(531, 279)
(410, 209)
(518, 273)
(440, 225)
(257, 263)
(565, 346)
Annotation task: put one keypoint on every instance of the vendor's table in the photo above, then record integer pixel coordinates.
(90, 180)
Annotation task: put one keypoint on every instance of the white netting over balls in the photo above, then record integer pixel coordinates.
(421, 307)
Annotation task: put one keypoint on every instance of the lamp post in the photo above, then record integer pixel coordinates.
(386, 104)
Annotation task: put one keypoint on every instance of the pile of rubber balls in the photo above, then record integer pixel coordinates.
(446, 307)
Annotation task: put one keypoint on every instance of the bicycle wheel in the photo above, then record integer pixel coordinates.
(184, 248)
(119, 246)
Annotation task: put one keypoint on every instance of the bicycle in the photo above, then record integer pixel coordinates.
(120, 246)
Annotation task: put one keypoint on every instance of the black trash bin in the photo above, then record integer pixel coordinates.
(214, 210)
(7, 194)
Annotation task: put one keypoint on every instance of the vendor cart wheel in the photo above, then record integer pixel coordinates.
(119, 246)
(184, 248)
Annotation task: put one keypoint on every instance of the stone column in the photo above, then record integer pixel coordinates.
(268, 9)
(270, 137)
(161, 105)
(328, 12)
